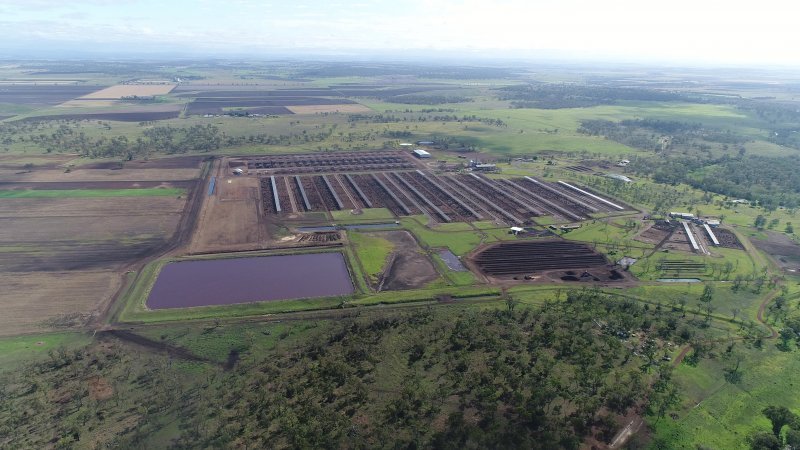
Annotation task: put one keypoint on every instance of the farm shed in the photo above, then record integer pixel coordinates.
(421, 154)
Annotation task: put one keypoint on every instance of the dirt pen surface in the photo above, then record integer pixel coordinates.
(396, 181)
(231, 218)
(555, 259)
(130, 90)
(243, 280)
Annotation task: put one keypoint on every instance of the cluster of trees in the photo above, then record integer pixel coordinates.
(545, 377)
(662, 135)
(771, 181)
(519, 378)
(154, 140)
(412, 117)
(161, 139)
(562, 95)
(779, 417)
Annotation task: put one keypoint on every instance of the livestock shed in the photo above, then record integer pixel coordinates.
(421, 154)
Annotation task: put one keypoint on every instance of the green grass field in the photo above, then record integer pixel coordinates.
(373, 252)
(717, 414)
(23, 349)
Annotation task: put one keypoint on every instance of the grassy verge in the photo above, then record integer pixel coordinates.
(372, 251)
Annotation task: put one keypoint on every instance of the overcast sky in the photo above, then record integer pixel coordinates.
(732, 31)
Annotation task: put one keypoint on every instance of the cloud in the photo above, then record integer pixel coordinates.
(705, 30)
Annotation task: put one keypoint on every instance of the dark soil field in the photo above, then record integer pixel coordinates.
(42, 95)
(180, 162)
(12, 185)
(112, 116)
(372, 91)
(777, 244)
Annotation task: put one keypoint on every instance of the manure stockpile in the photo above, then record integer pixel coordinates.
(535, 256)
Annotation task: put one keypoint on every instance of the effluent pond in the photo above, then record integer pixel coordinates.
(252, 279)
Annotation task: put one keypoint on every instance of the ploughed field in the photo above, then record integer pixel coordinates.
(528, 257)
(39, 95)
(292, 184)
(243, 280)
(63, 254)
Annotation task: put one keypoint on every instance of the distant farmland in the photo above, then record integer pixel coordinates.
(130, 90)
(274, 105)
(30, 95)
(133, 116)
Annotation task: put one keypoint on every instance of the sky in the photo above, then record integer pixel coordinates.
(694, 31)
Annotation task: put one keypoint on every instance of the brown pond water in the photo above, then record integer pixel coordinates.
(242, 280)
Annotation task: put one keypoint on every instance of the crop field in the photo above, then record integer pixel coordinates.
(130, 90)
(65, 244)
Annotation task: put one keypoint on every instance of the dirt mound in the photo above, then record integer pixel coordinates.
(409, 268)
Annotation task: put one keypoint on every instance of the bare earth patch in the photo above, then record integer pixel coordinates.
(408, 266)
(100, 388)
(129, 90)
(36, 301)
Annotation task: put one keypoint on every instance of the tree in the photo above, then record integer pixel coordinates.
(793, 439)
(760, 222)
(780, 416)
(764, 441)
(708, 293)
(789, 228)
